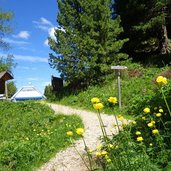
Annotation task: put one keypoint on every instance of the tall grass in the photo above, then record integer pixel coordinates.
(136, 84)
(31, 134)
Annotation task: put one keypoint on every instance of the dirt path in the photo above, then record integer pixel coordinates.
(69, 160)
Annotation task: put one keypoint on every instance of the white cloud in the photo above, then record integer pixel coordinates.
(16, 42)
(45, 21)
(26, 68)
(46, 42)
(43, 24)
(22, 35)
(31, 58)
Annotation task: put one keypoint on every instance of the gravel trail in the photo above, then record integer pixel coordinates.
(69, 160)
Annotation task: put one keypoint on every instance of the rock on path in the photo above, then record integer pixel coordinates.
(69, 160)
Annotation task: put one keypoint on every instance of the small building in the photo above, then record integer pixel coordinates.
(28, 93)
(57, 83)
(4, 77)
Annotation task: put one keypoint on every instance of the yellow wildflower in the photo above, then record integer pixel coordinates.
(98, 106)
(98, 154)
(112, 100)
(138, 133)
(110, 146)
(155, 131)
(146, 110)
(27, 138)
(80, 131)
(158, 114)
(120, 117)
(153, 122)
(95, 100)
(161, 80)
(134, 122)
(99, 146)
(116, 147)
(161, 110)
(108, 160)
(151, 144)
(150, 124)
(103, 153)
(140, 139)
(90, 150)
(143, 118)
(69, 133)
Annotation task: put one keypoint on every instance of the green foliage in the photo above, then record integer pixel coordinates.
(6, 63)
(31, 134)
(5, 17)
(87, 42)
(136, 86)
(148, 31)
(11, 88)
(142, 144)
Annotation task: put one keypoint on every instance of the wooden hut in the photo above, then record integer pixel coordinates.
(4, 77)
(57, 83)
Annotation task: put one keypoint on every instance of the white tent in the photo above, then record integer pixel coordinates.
(27, 93)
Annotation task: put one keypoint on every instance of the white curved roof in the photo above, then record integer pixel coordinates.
(27, 93)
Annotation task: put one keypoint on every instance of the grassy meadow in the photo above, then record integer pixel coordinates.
(31, 134)
(144, 143)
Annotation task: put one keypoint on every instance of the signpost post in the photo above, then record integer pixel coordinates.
(118, 69)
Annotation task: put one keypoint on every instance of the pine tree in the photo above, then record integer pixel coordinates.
(87, 41)
(145, 23)
(4, 27)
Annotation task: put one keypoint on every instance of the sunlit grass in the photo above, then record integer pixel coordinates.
(31, 134)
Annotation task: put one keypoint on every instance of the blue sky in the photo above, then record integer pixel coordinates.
(33, 22)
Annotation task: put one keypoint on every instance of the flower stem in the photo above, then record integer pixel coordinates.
(86, 149)
(89, 169)
(168, 108)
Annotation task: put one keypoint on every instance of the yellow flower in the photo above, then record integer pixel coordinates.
(90, 150)
(158, 114)
(108, 160)
(150, 124)
(103, 153)
(80, 131)
(155, 131)
(110, 146)
(140, 139)
(143, 118)
(161, 110)
(151, 144)
(146, 110)
(138, 133)
(134, 122)
(98, 106)
(112, 100)
(98, 154)
(161, 80)
(99, 146)
(69, 133)
(95, 100)
(153, 122)
(116, 147)
(120, 117)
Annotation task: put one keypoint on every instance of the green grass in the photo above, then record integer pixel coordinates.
(133, 89)
(31, 134)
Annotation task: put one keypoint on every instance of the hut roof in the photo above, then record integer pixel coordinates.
(5, 75)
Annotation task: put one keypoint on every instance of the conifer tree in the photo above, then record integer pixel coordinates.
(4, 27)
(145, 23)
(87, 41)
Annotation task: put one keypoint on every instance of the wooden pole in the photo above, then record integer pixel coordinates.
(6, 90)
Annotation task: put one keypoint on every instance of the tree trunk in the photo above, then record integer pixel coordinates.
(164, 43)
